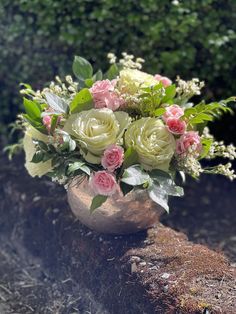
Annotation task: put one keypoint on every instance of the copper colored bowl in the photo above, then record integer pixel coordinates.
(118, 215)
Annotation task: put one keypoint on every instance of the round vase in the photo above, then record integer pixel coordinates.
(118, 215)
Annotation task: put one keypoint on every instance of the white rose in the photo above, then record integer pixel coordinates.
(154, 144)
(131, 80)
(95, 130)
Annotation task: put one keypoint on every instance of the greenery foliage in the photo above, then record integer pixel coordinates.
(39, 39)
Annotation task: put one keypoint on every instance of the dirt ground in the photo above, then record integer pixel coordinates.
(29, 285)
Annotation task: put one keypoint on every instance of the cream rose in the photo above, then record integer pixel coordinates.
(35, 169)
(95, 130)
(130, 81)
(153, 143)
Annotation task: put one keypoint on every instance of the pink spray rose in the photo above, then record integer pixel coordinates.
(113, 157)
(163, 79)
(176, 126)
(103, 183)
(47, 122)
(104, 95)
(173, 111)
(189, 141)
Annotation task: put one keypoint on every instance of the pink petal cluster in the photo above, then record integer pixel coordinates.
(173, 111)
(163, 79)
(113, 157)
(47, 122)
(172, 119)
(176, 126)
(105, 96)
(189, 141)
(103, 183)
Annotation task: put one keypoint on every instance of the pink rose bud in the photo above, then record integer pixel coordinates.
(113, 157)
(105, 96)
(103, 183)
(163, 79)
(189, 142)
(157, 77)
(47, 122)
(176, 126)
(173, 111)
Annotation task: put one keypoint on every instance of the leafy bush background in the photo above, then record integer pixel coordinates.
(38, 39)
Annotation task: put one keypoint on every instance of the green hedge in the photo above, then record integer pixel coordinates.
(39, 38)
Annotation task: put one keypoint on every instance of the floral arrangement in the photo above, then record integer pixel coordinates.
(124, 129)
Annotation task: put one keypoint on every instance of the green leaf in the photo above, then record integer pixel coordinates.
(36, 124)
(82, 68)
(97, 76)
(38, 157)
(112, 72)
(83, 100)
(134, 175)
(68, 143)
(200, 118)
(159, 196)
(56, 103)
(183, 176)
(206, 145)
(170, 94)
(159, 173)
(166, 183)
(159, 112)
(78, 165)
(97, 201)
(89, 82)
(53, 123)
(170, 187)
(202, 112)
(43, 146)
(32, 109)
(130, 158)
(125, 188)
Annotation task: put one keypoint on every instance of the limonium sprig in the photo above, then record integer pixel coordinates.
(124, 129)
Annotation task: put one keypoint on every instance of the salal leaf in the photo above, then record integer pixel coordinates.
(130, 158)
(159, 196)
(89, 82)
(42, 145)
(159, 173)
(125, 188)
(166, 183)
(78, 165)
(68, 143)
(112, 72)
(97, 76)
(183, 176)
(97, 201)
(56, 102)
(38, 157)
(54, 121)
(82, 68)
(83, 100)
(134, 175)
(172, 189)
